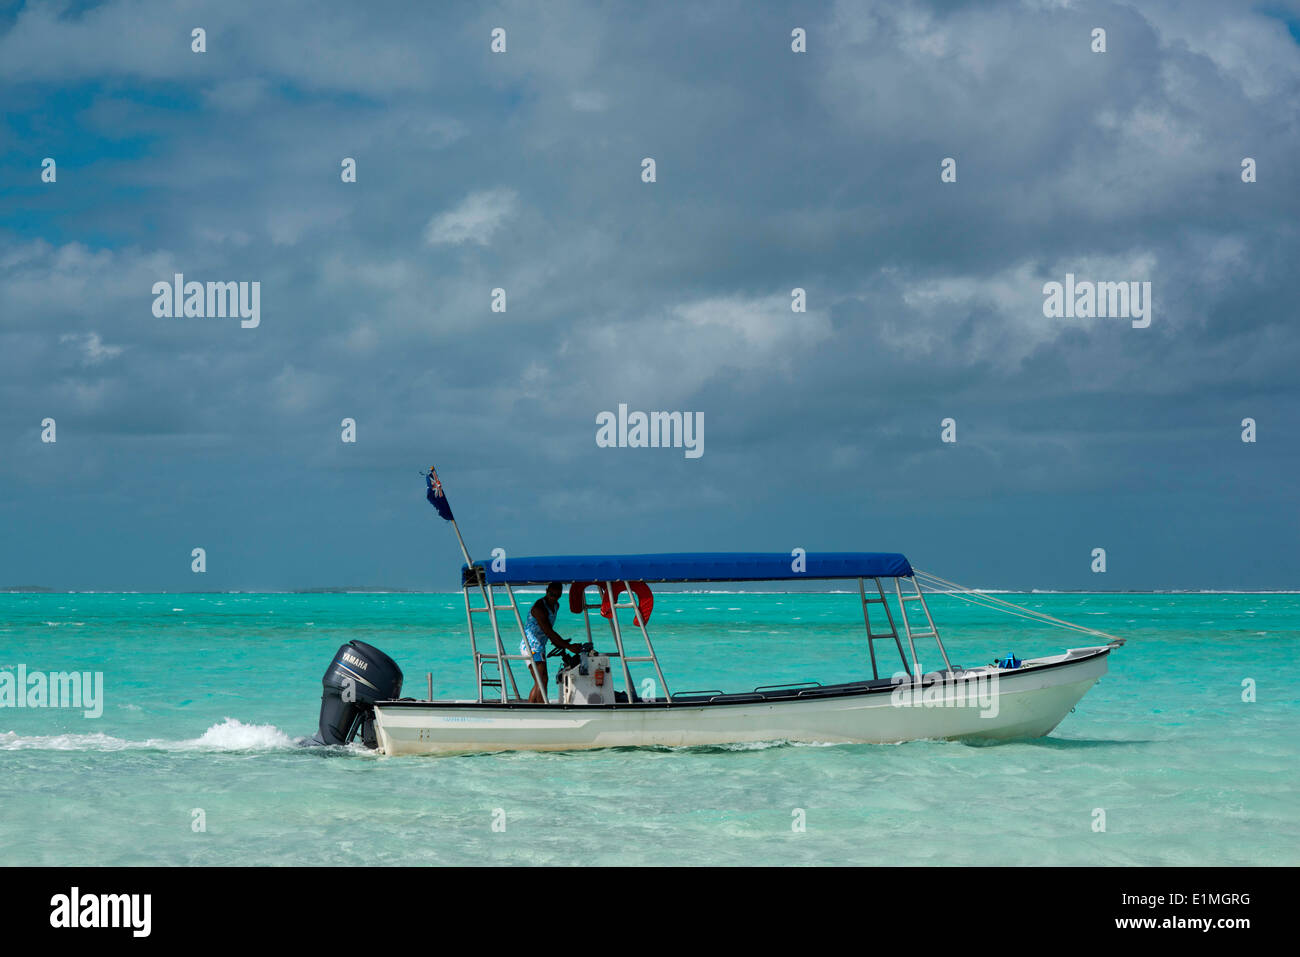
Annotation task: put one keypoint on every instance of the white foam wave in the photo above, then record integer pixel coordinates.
(12, 741)
(234, 735)
(230, 735)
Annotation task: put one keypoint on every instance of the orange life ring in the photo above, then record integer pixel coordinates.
(645, 601)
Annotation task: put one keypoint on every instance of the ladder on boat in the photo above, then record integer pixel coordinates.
(492, 667)
(874, 636)
(930, 631)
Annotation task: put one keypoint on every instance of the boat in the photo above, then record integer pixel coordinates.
(1007, 699)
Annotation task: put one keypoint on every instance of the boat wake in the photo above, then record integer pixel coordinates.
(230, 735)
(732, 747)
(234, 735)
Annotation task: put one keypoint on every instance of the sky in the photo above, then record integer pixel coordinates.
(774, 170)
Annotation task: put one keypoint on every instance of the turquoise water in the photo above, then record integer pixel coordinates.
(205, 694)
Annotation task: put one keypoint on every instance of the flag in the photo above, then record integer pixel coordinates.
(435, 494)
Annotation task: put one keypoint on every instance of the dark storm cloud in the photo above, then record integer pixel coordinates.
(522, 171)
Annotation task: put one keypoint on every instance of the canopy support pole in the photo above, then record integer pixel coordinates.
(498, 654)
(532, 665)
(653, 658)
(907, 625)
(490, 606)
(618, 640)
(873, 637)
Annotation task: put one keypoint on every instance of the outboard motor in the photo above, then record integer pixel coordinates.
(359, 675)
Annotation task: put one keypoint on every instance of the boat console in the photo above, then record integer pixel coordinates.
(587, 680)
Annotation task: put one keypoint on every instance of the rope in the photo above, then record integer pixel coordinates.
(999, 604)
(1030, 615)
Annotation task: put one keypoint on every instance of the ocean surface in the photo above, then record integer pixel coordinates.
(193, 759)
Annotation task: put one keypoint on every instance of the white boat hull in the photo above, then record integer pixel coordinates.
(985, 703)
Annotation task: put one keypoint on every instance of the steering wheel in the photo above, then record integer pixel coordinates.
(568, 659)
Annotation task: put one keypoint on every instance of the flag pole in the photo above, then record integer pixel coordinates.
(463, 550)
(490, 603)
(459, 538)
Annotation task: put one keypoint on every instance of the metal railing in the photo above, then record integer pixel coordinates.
(872, 636)
(501, 660)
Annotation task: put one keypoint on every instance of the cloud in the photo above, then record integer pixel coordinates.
(589, 101)
(474, 220)
(238, 96)
(776, 170)
(668, 357)
(92, 347)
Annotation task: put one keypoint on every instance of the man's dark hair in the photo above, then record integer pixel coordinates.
(556, 585)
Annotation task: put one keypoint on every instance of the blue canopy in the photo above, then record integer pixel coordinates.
(696, 567)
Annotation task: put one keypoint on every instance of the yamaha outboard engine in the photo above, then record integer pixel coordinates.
(359, 675)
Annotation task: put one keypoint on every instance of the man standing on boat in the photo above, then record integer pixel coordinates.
(539, 627)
